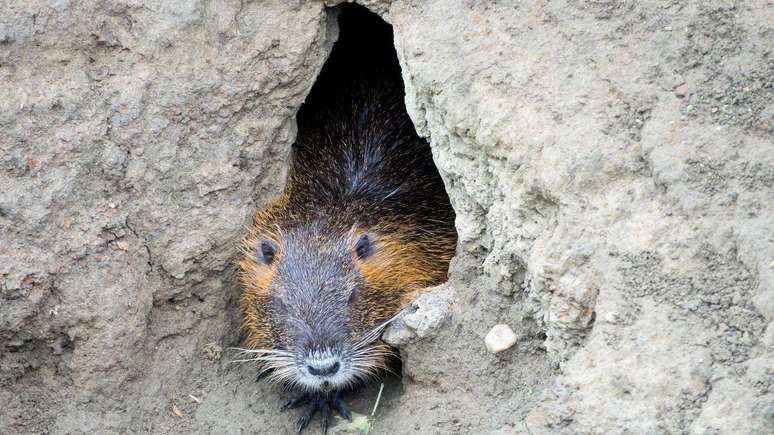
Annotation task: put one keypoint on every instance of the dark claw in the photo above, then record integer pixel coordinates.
(338, 404)
(325, 403)
(306, 417)
(295, 403)
(325, 414)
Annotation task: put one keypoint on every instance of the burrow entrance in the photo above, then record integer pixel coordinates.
(359, 97)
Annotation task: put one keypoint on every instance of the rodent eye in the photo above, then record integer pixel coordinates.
(267, 251)
(363, 246)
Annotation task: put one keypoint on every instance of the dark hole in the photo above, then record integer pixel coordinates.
(363, 55)
(361, 83)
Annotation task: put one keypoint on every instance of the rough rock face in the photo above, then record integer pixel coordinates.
(611, 165)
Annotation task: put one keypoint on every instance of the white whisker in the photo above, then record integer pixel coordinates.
(265, 351)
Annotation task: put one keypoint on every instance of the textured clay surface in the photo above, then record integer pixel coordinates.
(611, 164)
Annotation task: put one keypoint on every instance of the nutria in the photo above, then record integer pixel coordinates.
(363, 224)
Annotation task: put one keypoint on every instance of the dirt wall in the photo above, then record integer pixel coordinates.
(610, 162)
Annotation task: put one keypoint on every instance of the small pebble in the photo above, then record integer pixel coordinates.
(499, 338)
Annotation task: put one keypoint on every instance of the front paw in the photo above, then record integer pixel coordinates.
(324, 402)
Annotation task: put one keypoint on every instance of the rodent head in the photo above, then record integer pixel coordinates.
(317, 296)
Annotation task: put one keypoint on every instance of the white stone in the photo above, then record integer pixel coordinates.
(499, 338)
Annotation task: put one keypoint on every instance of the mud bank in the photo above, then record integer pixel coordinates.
(610, 163)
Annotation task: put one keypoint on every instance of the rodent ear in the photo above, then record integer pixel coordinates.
(266, 251)
(363, 246)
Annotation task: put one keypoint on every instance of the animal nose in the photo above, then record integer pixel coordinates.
(323, 369)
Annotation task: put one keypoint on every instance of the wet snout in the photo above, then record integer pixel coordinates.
(323, 366)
